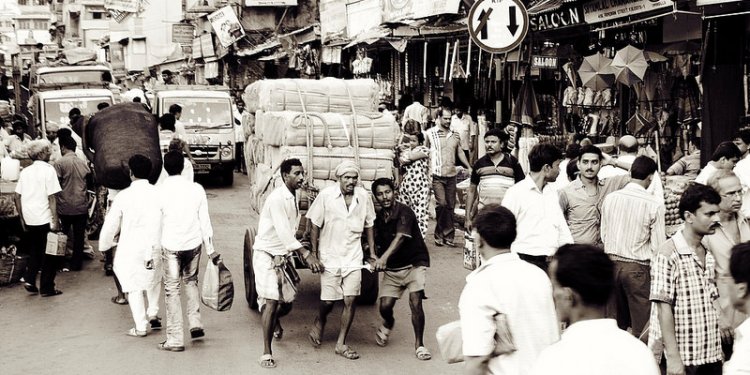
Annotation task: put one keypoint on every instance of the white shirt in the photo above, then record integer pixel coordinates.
(742, 170)
(415, 111)
(706, 174)
(187, 172)
(740, 362)
(465, 129)
(508, 285)
(540, 225)
(278, 222)
(595, 347)
(179, 130)
(185, 221)
(35, 185)
(341, 227)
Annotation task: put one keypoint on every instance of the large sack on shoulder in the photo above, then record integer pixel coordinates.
(115, 134)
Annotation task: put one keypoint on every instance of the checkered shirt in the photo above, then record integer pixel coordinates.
(677, 278)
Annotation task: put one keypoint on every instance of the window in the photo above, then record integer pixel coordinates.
(96, 15)
(23, 2)
(23, 24)
(41, 24)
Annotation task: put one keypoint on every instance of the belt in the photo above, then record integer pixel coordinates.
(618, 258)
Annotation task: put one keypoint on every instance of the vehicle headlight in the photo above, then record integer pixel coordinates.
(226, 152)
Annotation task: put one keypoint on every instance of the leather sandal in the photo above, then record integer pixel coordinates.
(267, 361)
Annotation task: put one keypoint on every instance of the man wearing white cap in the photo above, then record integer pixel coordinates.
(339, 215)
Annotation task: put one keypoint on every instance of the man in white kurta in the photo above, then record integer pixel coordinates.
(135, 215)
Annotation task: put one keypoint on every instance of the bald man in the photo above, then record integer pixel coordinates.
(628, 151)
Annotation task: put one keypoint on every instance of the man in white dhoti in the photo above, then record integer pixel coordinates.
(135, 215)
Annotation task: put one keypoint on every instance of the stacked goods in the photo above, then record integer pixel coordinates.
(674, 186)
(115, 134)
(322, 123)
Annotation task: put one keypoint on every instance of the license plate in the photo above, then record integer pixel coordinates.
(202, 168)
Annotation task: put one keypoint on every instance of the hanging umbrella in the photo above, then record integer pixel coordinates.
(525, 109)
(652, 56)
(629, 65)
(595, 72)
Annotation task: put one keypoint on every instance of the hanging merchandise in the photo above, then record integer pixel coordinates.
(362, 64)
(686, 95)
(596, 72)
(629, 65)
(526, 109)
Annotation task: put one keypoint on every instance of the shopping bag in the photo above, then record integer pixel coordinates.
(218, 289)
(471, 255)
(450, 339)
(57, 242)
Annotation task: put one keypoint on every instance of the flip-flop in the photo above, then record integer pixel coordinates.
(381, 335)
(423, 354)
(315, 333)
(119, 301)
(347, 352)
(267, 361)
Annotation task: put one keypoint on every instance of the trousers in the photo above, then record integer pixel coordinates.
(181, 267)
(444, 189)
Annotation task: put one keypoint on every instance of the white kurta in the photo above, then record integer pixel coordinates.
(135, 215)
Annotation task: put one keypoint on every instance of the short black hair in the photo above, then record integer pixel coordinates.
(64, 133)
(412, 127)
(591, 149)
(20, 124)
(739, 263)
(696, 141)
(572, 169)
(287, 164)
(587, 270)
(175, 109)
(174, 162)
(628, 149)
(74, 112)
(496, 225)
(139, 166)
(726, 150)
(167, 121)
(137, 99)
(543, 154)
(693, 196)
(744, 135)
(102, 105)
(499, 133)
(643, 166)
(67, 142)
(572, 151)
(383, 181)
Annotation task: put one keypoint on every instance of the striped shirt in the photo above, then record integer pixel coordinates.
(632, 223)
(443, 147)
(679, 279)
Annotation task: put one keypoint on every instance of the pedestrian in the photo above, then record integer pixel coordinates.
(339, 215)
(739, 294)
(35, 196)
(185, 229)
(72, 202)
(505, 294)
(690, 164)
(726, 156)
(628, 150)
(582, 281)
(581, 200)
(417, 112)
(572, 152)
(402, 256)
(135, 216)
(414, 189)
(17, 142)
(491, 175)
(536, 208)
(684, 326)
(632, 230)
(466, 128)
(734, 229)
(177, 144)
(445, 148)
(176, 111)
(273, 248)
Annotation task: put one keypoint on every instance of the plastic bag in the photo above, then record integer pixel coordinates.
(218, 289)
(57, 243)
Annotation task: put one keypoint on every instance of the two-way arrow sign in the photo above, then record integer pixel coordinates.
(498, 26)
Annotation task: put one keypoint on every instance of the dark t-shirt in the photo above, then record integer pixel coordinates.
(508, 167)
(413, 251)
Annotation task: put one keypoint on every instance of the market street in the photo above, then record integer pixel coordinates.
(82, 332)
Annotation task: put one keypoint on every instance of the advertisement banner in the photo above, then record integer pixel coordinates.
(362, 16)
(270, 3)
(226, 25)
(427, 8)
(606, 10)
(567, 15)
(122, 5)
(332, 19)
(397, 10)
(182, 33)
(714, 2)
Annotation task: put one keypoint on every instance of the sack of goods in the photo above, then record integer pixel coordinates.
(325, 95)
(12, 265)
(117, 133)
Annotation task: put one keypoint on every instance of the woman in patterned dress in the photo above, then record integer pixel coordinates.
(414, 190)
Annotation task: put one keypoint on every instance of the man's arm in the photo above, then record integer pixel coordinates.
(207, 232)
(382, 261)
(314, 237)
(462, 157)
(470, 197)
(658, 230)
(666, 322)
(370, 232)
(17, 198)
(53, 225)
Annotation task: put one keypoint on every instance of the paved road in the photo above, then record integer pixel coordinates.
(82, 332)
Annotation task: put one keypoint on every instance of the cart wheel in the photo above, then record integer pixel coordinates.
(250, 294)
(369, 293)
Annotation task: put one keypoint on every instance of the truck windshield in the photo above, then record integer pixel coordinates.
(203, 112)
(56, 110)
(75, 76)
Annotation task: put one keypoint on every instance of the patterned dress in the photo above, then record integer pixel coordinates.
(415, 188)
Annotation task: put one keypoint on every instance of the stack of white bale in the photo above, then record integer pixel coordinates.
(322, 123)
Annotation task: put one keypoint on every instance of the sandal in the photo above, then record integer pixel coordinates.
(136, 333)
(423, 354)
(315, 334)
(278, 332)
(381, 335)
(119, 301)
(347, 352)
(267, 361)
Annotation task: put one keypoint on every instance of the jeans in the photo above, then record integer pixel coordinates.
(444, 189)
(78, 223)
(36, 240)
(181, 266)
(629, 303)
(714, 368)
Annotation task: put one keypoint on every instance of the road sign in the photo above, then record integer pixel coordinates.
(498, 26)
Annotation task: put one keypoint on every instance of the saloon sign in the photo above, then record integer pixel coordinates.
(565, 16)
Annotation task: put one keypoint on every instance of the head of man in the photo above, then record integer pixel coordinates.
(582, 280)
(176, 111)
(444, 117)
(726, 155)
(727, 184)
(51, 130)
(101, 106)
(19, 129)
(292, 173)
(694, 145)
(643, 170)
(167, 121)
(628, 145)
(174, 162)
(495, 141)
(572, 170)
(140, 167)
(699, 207)
(74, 114)
(589, 162)
(460, 112)
(383, 190)
(39, 150)
(348, 175)
(67, 145)
(494, 230)
(177, 144)
(545, 158)
(739, 268)
(572, 151)
(742, 141)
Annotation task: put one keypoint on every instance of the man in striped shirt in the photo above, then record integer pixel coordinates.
(632, 231)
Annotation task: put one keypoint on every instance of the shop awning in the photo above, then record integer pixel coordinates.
(370, 36)
(280, 54)
(260, 48)
(301, 36)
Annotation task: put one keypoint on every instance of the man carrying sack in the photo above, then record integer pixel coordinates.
(274, 244)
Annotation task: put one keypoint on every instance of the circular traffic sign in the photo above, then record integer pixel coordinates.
(498, 26)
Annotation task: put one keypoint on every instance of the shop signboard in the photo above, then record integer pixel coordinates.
(362, 15)
(226, 25)
(498, 26)
(182, 33)
(197, 51)
(270, 3)
(714, 2)
(207, 45)
(569, 14)
(427, 8)
(332, 19)
(606, 10)
(544, 62)
(130, 6)
(397, 10)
